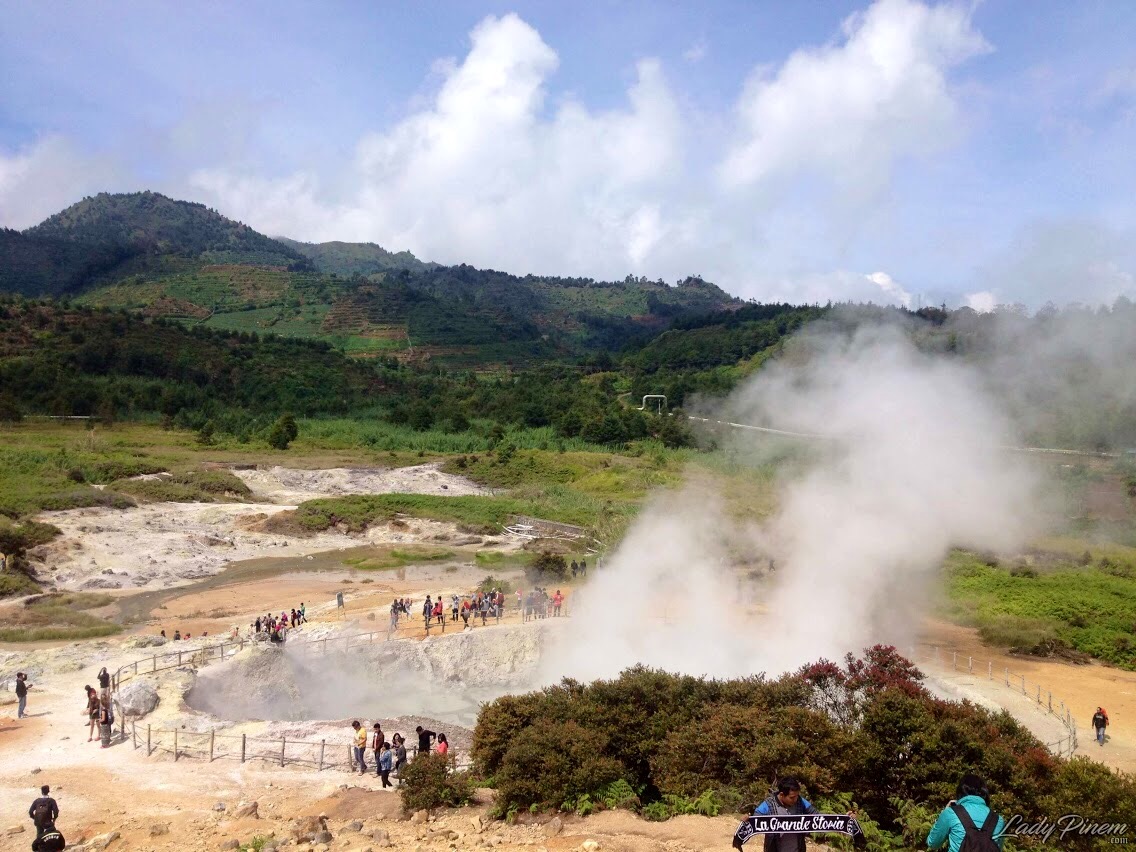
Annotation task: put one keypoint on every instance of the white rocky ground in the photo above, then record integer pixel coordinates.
(162, 545)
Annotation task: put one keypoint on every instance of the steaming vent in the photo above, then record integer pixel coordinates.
(445, 677)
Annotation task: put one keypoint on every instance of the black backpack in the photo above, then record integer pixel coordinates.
(41, 814)
(977, 839)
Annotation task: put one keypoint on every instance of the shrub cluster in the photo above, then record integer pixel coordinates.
(864, 732)
(429, 781)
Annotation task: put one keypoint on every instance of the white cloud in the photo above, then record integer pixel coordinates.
(696, 52)
(889, 286)
(47, 176)
(847, 111)
(482, 176)
(984, 302)
(1062, 261)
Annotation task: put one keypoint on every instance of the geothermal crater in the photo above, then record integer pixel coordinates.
(445, 677)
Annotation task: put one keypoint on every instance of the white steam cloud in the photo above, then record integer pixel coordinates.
(913, 468)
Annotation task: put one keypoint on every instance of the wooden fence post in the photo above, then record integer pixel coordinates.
(212, 734)
(134, 734)
(242, 748)
(148, 750)
(175, 745)
(179, 658)
(322, 744)
(990, 671)
(970, 665)
(154, 663)
(283, 745)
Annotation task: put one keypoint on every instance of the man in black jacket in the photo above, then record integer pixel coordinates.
(424, 738)
(44, 812)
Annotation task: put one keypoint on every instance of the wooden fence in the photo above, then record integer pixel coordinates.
(211, 745)
(1065, 746)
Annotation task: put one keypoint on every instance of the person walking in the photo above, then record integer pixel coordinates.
(92, 711)
(1100, 722)
(443, 746)
(385, 760)
(22, 687)
(43, 813)
(359, 743)
(557, 602)
(455, 603)
(104, 684)
(968, 819)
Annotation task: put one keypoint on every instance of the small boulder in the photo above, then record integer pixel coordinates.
(137, 698)
(14, 829)
(420, 817)
(381, 837)
(590, 846)
(231, 844)
(102, 841)
(354, 825)
(323, 836)
(246, 809)
(554, 826)
(478, 825)
(220, 806)
(158, 829)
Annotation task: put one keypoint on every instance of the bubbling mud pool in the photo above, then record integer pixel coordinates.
(446, 677)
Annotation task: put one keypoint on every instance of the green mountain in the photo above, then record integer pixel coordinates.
(173, 259)
(108, 237)
(350, 259)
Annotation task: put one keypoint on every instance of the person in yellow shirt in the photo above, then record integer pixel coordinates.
(359, 743)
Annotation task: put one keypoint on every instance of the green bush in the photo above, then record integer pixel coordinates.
(430, 782)
(546, 567)
(549, 763)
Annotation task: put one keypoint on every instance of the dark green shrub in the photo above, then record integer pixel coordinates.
(430, 782)
(546, 567)
(549, 763)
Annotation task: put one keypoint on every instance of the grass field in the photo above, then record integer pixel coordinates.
(57, 616)
(1031, 604)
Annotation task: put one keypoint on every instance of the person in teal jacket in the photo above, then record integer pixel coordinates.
(973, 796)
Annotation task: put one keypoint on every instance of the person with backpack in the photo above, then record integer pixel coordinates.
(786, 801)
(92, 712)
(44, 812)
(1100, 722)
(967, 823)
(106, 722)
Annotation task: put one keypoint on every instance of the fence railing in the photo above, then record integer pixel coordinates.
(1017, 683)
(212, 745)
(199, 656)
(406, 627)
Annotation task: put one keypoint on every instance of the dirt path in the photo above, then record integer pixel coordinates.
(1082, 687)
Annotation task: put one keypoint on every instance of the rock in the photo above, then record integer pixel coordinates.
(137, 698)
(304, 827)
(158, 829)
(245, 809)
(36, 771)
(478, 825)
(380, 836)
(102, 841)
(590, 846)
(554, 826)
(323, 836)
(14, 829)
(220, 806)
(420, 817)
(146, 641)
(355, 825)
(231, 844)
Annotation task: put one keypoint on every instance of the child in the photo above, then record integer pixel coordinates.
(385, 761)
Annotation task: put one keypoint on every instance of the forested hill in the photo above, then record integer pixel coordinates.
(164, 258)
(109, 237)
(349, 259)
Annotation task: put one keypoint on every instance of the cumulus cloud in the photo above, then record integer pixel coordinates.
(47, 176)
(891, 288)
(490, 171)
(847, 111)
(1091, 261)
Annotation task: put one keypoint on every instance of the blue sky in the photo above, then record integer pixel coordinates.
(895, 151)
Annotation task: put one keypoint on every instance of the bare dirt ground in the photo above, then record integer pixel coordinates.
(99, 548)
(1082, 687)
